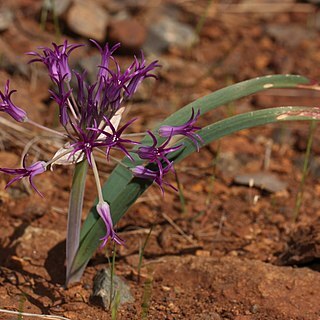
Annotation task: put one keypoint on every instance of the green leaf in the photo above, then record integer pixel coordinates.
(135, 187)
(74, 217)
(120, 177)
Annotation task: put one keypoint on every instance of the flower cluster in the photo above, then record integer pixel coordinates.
(90, 114)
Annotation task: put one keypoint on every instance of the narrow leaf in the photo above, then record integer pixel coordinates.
(135, 187)
(74, 218)
(120, 177)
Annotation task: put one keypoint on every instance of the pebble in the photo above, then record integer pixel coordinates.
(263, 180)
(95, 17)
(6, 19)
(101, 289)
(129, 32)
(290, 35)
(209, 316)
(166, 33)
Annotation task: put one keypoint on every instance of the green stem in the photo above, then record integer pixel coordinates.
(112, 274)
(306, 162)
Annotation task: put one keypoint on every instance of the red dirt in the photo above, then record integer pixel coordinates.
(233, 252)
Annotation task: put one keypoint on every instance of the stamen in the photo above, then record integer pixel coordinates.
(73, 101)
(72, 109)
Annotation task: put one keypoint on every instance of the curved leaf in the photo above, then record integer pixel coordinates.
(135, 187)
(120, 177)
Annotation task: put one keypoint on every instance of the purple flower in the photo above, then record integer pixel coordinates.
(106, 55)
(188, 130)
(56, 60)
(8, 107)
(85, 142)
(93, 101)
(157, 154)
(104, 212)
(156, 176)
(61, 99)
(141, 71)
(31, 171)
(113, 139)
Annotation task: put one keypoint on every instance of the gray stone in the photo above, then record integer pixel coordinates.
(6, 18)
(230, 164)
(166, 33)
(263, 180)
(102, 286)
(289, 34)
(88, 20)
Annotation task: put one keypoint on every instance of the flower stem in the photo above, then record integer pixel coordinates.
(97, 179)
(45, 128)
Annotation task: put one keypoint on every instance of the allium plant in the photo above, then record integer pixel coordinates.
(90, 114)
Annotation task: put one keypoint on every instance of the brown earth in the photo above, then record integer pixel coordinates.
(232, 251)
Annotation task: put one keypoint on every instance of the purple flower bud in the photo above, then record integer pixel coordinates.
(56, 60)
(188, 130)
(104, 212)
(30, 171)
(156, 176)
(8, 107)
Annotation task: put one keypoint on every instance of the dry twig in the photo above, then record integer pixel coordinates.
(25, 314)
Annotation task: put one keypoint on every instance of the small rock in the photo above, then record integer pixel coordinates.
(94, 16)
(209, 316)
(263, 180)
(129, 32)
(203, 253)
(101, 289)
(229, 164)
(166, 33)
(6, 18)
(289, 34)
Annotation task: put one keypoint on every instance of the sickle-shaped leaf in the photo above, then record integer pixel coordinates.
(120, 176)
(135, 187)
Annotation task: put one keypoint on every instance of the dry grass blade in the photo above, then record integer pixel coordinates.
(25, 314)
(175, 226)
